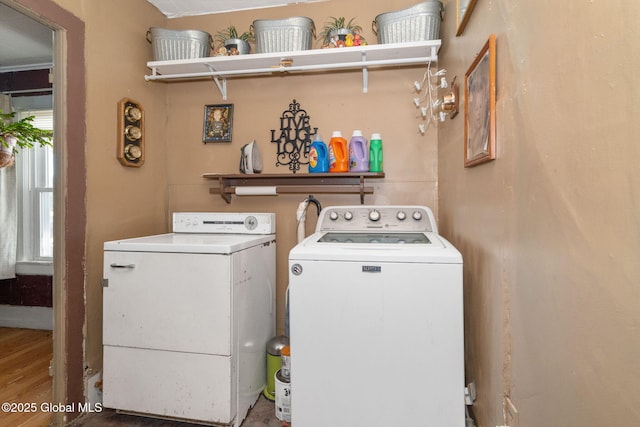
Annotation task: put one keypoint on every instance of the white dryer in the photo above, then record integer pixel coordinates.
(187, 315)
(376, 321)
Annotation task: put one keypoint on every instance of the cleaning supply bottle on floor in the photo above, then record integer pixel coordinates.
(375, 153)
(338, 156)
(318, 156)
(358, 153)
(283, 387)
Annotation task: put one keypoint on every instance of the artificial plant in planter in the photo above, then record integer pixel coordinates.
(232, 42)
(337, 32)
(15, 135)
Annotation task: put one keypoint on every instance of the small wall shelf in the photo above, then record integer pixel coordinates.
(301, 183)
(221, 67)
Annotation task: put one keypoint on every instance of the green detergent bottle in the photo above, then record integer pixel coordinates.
(375, 153)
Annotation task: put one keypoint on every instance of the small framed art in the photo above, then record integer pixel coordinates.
(218, 123)
(480, 107)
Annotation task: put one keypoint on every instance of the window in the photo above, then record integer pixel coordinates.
(35, 195)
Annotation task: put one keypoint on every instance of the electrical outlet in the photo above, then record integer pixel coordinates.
(511, 416)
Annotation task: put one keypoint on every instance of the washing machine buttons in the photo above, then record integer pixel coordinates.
(417, 215)
(401, 215)
(348, 215)
(333, 215)
(374, 215)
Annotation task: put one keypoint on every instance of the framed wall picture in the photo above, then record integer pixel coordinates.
(464, 8)
(480, 107)
(218, 123)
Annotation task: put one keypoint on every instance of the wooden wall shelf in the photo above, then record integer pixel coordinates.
(301, 183)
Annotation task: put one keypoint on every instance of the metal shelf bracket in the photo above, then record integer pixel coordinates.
(220, 82)
(365, 74)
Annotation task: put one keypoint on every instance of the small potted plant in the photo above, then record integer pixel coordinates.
(337, 32)
(232, 42)
(19, 134)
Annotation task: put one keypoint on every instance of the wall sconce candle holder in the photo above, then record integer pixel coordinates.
(130, 143)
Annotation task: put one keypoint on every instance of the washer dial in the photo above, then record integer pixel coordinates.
(251, 222)
(374, 215)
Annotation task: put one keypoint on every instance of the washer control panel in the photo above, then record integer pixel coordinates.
(224, 222)
(377, 217)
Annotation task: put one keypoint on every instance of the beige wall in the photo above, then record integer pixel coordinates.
(334, 101)
(549, 231)
(126, 202)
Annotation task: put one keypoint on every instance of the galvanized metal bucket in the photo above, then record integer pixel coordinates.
(241, 46)
(283, 35)
(417, 23)
(170, 45)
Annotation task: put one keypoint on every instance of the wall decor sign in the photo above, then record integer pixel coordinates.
(480, 107)
(218, 123)
(294, 138)
(464, 8)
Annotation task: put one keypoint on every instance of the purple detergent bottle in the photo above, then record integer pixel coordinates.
(358, 153)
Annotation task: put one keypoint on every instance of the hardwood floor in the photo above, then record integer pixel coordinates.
(25, 384)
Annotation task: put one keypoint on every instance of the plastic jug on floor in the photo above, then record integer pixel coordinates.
(338, 156)
(358, 153)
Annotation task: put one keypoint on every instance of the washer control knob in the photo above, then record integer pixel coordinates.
(417, 215)
(333, 215)
(374, 215)
(401, 215)
(348, 215)
(251, 222)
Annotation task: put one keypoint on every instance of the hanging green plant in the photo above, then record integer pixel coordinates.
(19, 134)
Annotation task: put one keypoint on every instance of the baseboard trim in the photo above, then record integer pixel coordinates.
(14, 316)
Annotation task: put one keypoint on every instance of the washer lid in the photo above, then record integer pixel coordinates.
(380, 247)
(189, 243)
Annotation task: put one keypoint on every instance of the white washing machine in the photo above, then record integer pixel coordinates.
(187, 315)
(376, 321)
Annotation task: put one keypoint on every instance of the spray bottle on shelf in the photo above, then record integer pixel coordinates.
(358, 153)
(338, 156)
(375, 153)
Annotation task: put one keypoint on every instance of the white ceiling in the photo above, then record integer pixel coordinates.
(26, 44)
(178, 8)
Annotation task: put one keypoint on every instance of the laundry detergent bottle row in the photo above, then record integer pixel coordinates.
(338, 155)
(318, 156)
(375, 153)
(358, 153)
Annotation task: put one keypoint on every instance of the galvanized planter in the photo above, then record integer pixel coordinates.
(283, 35)
(417, 23)
(242, 46)
(170, 45)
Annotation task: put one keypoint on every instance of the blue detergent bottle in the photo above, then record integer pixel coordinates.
(318, 156)
(358, 153)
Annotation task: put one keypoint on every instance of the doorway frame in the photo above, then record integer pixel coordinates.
(69, 198)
